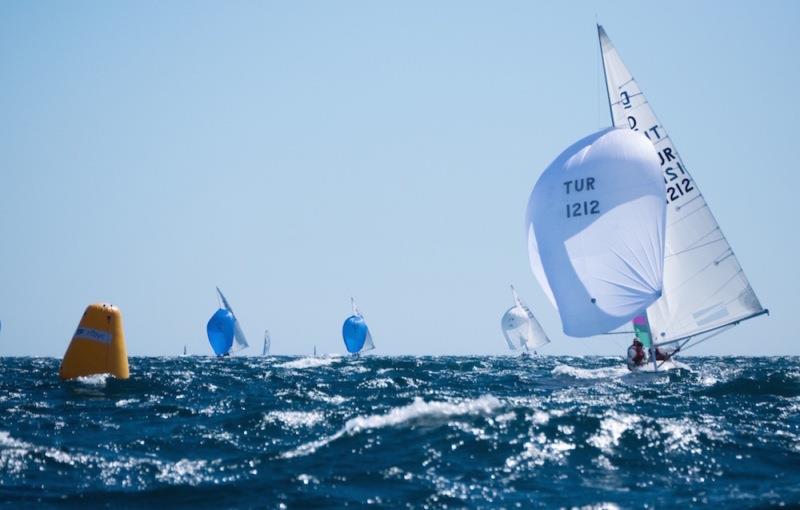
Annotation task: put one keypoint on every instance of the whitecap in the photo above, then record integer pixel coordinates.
(93, 380)
(379, 383)
(590, 373)
(611, 429)
(311, 362)
(399, 415)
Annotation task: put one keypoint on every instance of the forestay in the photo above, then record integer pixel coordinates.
(596, 231)
(520, 328)
(704, 285)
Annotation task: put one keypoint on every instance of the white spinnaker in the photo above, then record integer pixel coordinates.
(239, 340)
(520, 328)
(705, 288)
(596, 231)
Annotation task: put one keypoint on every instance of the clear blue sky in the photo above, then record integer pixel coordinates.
(298, 153)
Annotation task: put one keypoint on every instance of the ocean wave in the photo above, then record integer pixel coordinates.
(310, 362)
(418, 409)
(775, 384)
(482, 432)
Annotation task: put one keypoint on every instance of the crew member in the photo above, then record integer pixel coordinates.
(636, 354)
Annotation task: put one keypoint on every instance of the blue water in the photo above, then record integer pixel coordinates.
(401, 432)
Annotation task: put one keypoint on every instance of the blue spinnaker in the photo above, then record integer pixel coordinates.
(354, 332)
(220, 330)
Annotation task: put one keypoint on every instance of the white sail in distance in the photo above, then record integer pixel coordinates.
(267, 343)
(705, 287)
(239, 340)
(520, 328)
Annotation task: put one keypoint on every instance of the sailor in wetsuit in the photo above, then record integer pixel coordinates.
(636, 354)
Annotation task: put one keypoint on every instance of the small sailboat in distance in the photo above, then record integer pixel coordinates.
(355, 332)
(224, 332)
(267, 343)
(184, 349)
(521, 329)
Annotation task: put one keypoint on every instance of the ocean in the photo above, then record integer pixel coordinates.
(402, 432)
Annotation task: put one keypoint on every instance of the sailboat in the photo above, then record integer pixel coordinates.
(267, 343)
(521, 329)
(705, 290)
(184, 349)
(357, 338)
(224, 332)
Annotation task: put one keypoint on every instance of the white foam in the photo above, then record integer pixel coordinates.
(93, 380)
(400, 415)
(15, 456)
(611, 429)
(682, 435)
(598, 506)
(590, 373)
(9, 442)
(311, 362)
(379, 383)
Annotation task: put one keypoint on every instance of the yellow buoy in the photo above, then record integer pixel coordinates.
(98, 346)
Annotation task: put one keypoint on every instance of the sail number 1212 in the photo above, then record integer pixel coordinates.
(584, 208)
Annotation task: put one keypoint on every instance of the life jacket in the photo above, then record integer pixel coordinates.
(636, 354)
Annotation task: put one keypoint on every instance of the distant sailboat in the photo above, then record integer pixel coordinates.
(705, 290)
(184, 350)
(521, 329)
(224, 332)
(355, 332)
(267, 343)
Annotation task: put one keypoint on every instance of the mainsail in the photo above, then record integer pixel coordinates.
(705, 288)
(355, 332)
(520, 327)
(596, 231)
(239, 340)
